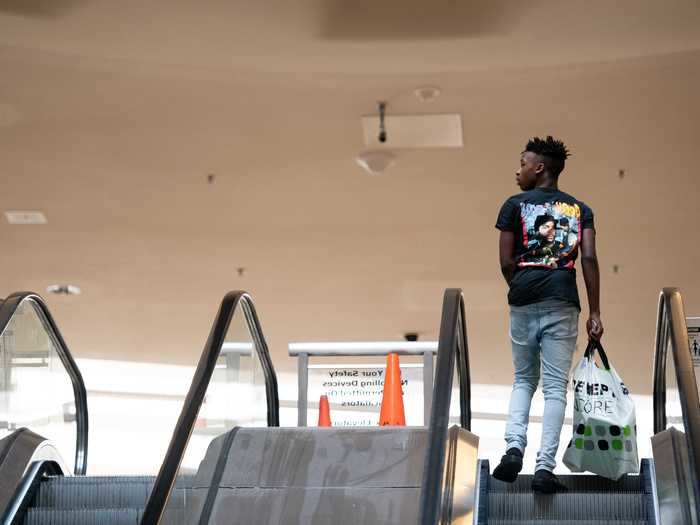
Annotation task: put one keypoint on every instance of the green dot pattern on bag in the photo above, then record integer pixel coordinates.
(616, 432)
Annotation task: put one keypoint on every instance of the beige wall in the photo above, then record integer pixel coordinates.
(116, 153)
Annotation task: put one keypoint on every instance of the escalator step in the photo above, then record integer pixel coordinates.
(560, 522)
(576, 483)
(83, 517)
(568, 506)
(97, 480)
(81, 493)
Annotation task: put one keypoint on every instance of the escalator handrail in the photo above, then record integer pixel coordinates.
(7, 310)
(671, 326)
(453, 350)
(195, 396)
(24, 460)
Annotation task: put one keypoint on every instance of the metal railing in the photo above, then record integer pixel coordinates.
(303, 351)
(671, 328)
(453, 350)
(195, 396)
(7, 310)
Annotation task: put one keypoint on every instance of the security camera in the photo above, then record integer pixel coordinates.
(382, 136)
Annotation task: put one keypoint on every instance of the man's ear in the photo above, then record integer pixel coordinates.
(539, 168)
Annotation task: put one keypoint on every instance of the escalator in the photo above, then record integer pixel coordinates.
(83, 500)
(338, 476)
(42, 388)
(218, 471)
(664, 492)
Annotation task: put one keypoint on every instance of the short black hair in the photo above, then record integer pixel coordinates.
(553, 152)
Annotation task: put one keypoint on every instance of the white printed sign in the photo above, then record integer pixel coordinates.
(693, 324)
(355, 393)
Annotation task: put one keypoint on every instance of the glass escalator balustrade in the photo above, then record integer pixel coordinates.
(236, 396)
(35, 390)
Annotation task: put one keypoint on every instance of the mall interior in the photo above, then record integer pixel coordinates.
(216, 213)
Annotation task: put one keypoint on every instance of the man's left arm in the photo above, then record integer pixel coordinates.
(506, 254)
(591, 275)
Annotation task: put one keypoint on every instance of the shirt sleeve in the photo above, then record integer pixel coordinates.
(507, 217)
(587, 221)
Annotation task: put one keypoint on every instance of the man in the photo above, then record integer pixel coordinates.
(544, 301)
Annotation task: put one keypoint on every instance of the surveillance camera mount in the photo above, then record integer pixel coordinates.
(382, 129)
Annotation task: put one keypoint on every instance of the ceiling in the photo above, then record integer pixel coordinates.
(112, 116)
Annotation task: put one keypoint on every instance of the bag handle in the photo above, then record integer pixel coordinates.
(594, 345)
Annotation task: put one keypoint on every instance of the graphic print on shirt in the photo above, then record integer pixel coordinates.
(551, 234)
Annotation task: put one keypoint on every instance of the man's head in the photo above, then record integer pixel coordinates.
(545, 225)
(564, 223)
(542, 158)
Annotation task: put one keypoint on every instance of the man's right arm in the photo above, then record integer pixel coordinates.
(506, 253)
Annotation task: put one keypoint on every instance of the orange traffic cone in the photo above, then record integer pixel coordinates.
(324, 412)
(392, 412)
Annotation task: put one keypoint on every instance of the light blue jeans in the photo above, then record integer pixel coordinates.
(543, 335)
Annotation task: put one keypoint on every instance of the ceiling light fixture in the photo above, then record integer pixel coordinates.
(63, 289)
(375, 161)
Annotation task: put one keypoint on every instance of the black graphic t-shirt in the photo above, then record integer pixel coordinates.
(548, 225)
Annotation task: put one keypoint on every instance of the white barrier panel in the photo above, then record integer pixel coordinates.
(355, 392)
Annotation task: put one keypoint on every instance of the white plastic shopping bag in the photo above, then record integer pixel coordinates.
(605, 432)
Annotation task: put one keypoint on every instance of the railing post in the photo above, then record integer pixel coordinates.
(303, 382)
(427, 385)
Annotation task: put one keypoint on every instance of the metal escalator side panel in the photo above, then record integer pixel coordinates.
(22, 455)
(647, 474)
(481, 491)
(676, 497)
(325, 476)
(460, 477)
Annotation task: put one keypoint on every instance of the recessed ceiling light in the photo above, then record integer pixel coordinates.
(427, 93)
(63, 289)
(25, 217)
